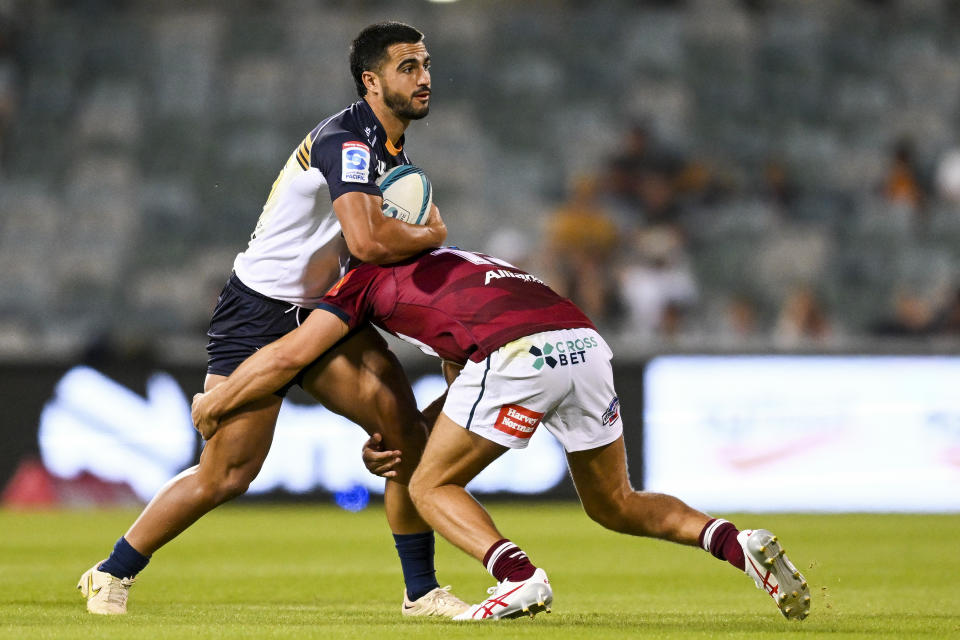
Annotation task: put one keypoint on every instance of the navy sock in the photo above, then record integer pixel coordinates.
(125, 561)
(416, 560)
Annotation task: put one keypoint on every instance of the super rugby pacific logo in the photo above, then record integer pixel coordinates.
(355, 162)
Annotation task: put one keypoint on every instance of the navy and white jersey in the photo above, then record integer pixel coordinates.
(296, 250)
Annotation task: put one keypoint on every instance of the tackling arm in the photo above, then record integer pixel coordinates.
(375, 238)
(267, 370)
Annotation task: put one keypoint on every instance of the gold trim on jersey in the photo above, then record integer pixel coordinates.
(303, 153)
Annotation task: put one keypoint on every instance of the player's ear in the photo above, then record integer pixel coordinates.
(371, 81)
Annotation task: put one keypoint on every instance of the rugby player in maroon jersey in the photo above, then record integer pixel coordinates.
(526, 357)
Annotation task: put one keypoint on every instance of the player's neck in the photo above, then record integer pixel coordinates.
(393, 125)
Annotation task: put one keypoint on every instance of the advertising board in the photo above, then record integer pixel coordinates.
(799, 433)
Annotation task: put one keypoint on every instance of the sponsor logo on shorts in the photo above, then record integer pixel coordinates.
(542, 356)
(517, 421)
(563, 352)
(355, 162)
(612, 413)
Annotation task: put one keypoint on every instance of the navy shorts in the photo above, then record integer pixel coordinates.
(243, 322)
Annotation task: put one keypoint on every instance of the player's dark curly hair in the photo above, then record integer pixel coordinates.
(370, 47)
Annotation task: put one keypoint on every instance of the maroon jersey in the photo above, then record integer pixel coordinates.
(459, 304)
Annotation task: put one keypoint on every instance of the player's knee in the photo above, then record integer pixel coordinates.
(405, 473)
(220, 488)
(609, 511)
(606, 516)
(234, 485)
(411, 440)
(398, 420)
(420, 487)
(417, 489)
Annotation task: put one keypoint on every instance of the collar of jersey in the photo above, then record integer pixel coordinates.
(371, 117)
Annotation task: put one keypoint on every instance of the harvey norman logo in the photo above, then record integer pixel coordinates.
(517, 421)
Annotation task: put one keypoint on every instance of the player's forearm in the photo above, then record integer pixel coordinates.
(374, 238)
(257, 377)
(276, 364)
(392, 241)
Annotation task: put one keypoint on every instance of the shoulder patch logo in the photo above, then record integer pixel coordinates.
(612, 413)
(355, 162)
(335, 289)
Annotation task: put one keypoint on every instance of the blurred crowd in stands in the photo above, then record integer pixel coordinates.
(621, 244)
(697, 174)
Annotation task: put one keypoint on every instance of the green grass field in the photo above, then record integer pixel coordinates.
(319, 572)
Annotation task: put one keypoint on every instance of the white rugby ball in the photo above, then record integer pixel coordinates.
(407, 194)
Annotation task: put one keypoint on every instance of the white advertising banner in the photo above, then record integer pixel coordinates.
(804, 433)
(94, 424)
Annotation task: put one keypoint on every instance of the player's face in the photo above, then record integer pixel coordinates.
(405, 77)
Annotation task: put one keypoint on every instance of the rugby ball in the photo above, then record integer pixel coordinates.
(407, 194)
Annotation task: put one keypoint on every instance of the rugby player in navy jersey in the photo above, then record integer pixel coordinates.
(526, 357)
(323, 213)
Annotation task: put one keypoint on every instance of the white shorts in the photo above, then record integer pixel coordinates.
(561, 379)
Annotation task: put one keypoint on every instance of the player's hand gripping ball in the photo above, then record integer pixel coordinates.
(407, 194)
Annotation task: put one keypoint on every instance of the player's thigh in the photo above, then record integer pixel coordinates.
(241, 444)
(453, 455)
(600, 476)
(362, 380)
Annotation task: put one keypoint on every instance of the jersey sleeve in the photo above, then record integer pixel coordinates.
(349, 298)
(346, 162)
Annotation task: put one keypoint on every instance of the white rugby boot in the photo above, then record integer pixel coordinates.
(773, 572)
(105, 593)
(439, 602)
(513, 599)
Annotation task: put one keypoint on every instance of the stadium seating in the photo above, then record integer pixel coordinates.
(146, 135)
